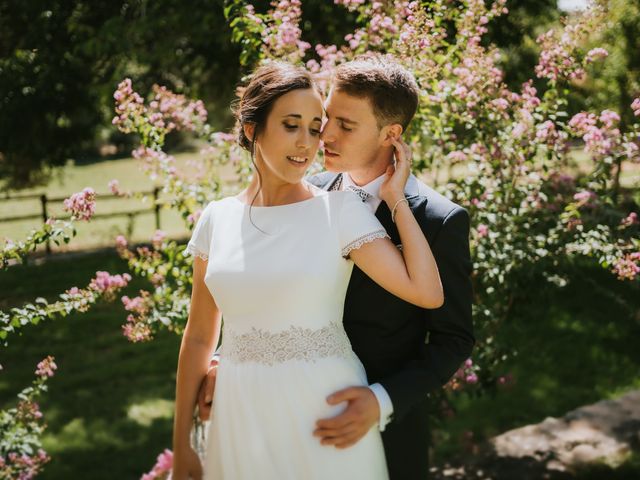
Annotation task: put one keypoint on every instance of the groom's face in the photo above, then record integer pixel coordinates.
(351, 137)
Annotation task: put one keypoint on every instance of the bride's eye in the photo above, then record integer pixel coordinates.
(289, 126)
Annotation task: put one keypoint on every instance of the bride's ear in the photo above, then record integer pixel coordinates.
(389, 132)
(249, 129)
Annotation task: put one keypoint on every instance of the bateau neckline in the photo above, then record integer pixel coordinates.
(322, 194)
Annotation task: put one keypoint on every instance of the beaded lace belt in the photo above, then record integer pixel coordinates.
(294, 343)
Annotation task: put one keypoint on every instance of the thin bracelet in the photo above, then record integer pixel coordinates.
(393, 211)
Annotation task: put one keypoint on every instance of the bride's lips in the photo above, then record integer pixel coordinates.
(298, 161)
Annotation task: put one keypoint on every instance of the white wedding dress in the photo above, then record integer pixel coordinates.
(280, 284)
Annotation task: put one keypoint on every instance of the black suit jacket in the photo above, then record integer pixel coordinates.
(409, 350)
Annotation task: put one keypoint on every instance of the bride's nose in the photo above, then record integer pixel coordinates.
(303, 141)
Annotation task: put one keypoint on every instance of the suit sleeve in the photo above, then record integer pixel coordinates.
(450, 329)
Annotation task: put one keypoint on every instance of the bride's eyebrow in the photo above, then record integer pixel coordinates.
(298, 116)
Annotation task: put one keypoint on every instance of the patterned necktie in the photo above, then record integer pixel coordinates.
(364, 196)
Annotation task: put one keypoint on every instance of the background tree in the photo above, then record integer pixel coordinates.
(61, 61)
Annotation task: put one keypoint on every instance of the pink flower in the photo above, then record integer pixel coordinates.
(500, 103)
(82, 204)
(121, 242)
(136, 331)
(171, 111)
(627, 267)
(219, 138)
(106, 283)
(165, 460)
(157, 278)
(158, 237)
(595, 54)
(582, 121)
(546, 131)
(349, 3)
(471, 378)
(457, 156)
(114, 186)
(585, 198)
(631, 219)
(46, 367)
(483, 230)
(631, 150)
(529, 98)
(518, 130)
(609, 117)
(635, 106)
(193, 217)
(73, 291)
(129, 107)
(163, 465)
(135, 304)
(28, 410)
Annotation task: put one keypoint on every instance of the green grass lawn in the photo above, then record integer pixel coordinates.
(109, 407)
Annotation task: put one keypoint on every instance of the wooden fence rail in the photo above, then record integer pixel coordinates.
(45, 200)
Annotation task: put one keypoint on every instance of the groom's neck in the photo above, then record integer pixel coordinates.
(367, 174)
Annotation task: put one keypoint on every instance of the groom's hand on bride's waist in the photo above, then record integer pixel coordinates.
(205, 394)
(350, 426)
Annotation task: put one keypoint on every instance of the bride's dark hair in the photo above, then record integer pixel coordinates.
(268, 83)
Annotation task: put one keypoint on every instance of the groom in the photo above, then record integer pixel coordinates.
(408, 352)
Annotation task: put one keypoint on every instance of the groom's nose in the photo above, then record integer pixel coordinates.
(326, 135)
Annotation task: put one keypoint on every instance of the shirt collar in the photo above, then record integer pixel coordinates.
(411, 189)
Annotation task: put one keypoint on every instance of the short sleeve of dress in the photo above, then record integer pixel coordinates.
(200, 242)
(357, 224)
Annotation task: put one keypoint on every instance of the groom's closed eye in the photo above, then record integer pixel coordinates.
(346, 123)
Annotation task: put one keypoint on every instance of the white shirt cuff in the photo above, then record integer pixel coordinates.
(384, 402)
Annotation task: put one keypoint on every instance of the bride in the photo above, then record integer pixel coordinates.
(275, 261)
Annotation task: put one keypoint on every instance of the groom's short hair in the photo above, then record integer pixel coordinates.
(391, 88)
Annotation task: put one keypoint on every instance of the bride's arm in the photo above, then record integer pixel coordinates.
(198, 341)
(413, 273)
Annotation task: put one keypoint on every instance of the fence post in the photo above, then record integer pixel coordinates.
(156, 195)
(43, 202)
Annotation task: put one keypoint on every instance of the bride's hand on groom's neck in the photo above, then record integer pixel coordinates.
(392, 188)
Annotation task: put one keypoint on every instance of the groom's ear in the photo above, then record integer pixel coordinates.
(389, 132)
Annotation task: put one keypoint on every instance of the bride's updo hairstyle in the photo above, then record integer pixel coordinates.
(266, 85)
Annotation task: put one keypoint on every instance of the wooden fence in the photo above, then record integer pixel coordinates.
(45, 200)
